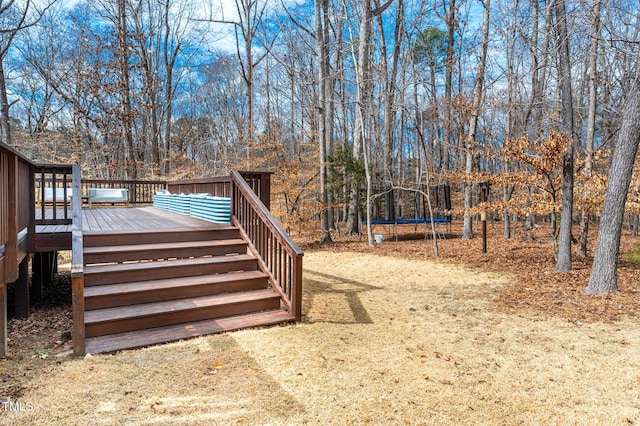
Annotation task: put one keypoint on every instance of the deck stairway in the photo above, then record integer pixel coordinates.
(148, 287)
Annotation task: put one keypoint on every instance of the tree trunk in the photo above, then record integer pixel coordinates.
(389, 122)
(364, 85)
(321, 10)
(451, 22)
(125, 92)
(591, 123)
(5, 123)
(605, 261)
(563, 262)
(467, 232)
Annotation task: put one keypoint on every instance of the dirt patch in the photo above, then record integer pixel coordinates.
(35, 344)
(393, 339)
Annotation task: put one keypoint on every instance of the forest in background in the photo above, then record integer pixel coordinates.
(355, 105)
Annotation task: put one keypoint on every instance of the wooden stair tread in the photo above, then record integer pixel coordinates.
(141, 338)
(158, 308)
(150, 236)
(174, 263)
(211, 227)
(140, 286)
(162, 246)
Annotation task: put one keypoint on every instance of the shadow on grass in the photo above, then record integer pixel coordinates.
(333, 299)
(209, 380)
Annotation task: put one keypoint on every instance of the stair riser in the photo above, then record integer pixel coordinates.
(174, 293)
(125, 238)
(142, 338)
(179, 317)
(180, 253)
(165, 270)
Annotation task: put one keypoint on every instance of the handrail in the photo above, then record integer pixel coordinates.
(278, 255)
(77, 265)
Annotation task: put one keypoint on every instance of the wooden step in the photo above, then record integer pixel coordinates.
(180, 249)
(154, 236)
(141, 338)
(174, 268)
(107, 296)
(121, 319)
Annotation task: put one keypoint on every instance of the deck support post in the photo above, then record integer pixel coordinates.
(21, 290)
(44, 267)
(3, 319)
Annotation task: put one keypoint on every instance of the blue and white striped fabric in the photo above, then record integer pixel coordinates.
(213, 209)
(200, 206)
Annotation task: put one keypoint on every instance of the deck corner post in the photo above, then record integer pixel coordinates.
(297, 289)
(77, 285)
(31, 234)
(11, 268)
(265, 190)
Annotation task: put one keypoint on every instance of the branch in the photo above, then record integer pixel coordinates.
(378, 10)
(296, 23)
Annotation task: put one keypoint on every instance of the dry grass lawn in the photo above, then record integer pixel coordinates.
(385, 341)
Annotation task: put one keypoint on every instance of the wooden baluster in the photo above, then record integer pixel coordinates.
(296, 289)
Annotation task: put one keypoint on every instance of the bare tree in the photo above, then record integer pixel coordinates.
(14, 16)
(250, 14)
(450, 17)
(591, 120)
(391, 92)
(563, 261)
(324, 105)
(473, 121)
(604, 270)
(361, 131)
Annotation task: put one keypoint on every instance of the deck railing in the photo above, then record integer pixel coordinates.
(259, 182)
(140, 191)
(278, 256)
(17, 225)
(5, 159)
(218, 186)
(53, 189)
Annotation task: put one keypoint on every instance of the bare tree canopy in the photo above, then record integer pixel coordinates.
(366, 110)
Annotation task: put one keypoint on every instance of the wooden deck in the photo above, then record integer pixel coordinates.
(58, 237)
(175, 265)
(123, 219)
(151, 276)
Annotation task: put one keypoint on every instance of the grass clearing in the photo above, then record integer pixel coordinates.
(384, 341)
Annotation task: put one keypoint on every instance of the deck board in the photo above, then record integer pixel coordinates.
(124, 219)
